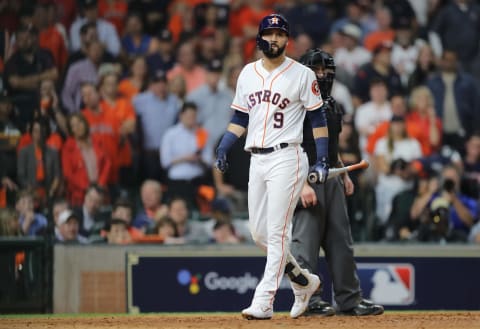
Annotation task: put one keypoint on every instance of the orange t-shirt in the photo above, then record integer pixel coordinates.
(55, 141)
(40, 173)
(193, 79)
(127, 89)
(122, 111)
(382, 131)
(104, 126)
(420, 130)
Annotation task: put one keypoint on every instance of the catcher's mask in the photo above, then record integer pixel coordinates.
(272, 21)
(317, 59)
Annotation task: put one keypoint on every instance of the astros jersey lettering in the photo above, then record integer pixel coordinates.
(276, 102)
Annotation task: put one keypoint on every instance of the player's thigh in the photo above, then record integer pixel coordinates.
(257, 198)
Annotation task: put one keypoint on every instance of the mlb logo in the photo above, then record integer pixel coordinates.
(387, 284)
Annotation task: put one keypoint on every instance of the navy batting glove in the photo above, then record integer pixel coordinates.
(319, 172)
(221, 162)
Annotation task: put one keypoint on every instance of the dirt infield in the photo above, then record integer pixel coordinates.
(403, 320)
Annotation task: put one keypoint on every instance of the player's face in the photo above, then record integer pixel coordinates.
(277, 39)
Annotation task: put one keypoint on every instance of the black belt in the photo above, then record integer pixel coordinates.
(266, 150)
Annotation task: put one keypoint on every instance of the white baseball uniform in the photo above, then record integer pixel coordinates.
(276, 103)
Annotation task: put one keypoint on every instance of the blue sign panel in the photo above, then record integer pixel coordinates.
(223, 284)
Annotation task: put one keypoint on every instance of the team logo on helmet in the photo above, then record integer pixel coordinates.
(315, 88)
(273, 21)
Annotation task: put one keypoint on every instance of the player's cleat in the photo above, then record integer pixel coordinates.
(365, 307)
(320, 308)
(303, 294)
(258, 312)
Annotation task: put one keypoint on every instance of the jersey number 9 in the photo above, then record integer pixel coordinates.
(278, 117)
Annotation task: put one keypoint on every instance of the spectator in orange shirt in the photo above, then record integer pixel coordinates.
(124, 116)
(84, 161)
(136, 81)
(424, 124)
(248, 18)
(187, 66)
(103, 126)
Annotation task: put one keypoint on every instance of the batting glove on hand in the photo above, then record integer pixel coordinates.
(319, 172)
(221, 162)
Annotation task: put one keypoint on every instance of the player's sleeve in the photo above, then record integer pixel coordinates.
(310, 91)
(239, 102)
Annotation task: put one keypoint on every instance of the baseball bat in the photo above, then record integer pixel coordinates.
(334, 172)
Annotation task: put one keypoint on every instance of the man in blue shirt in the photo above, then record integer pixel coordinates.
(156, 110)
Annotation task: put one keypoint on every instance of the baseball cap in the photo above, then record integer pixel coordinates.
(221, 205)
(158, 76)
(215, 65)
(382, 45)
(397, 118)
(65, 216)
(165, 35)
(352, 31)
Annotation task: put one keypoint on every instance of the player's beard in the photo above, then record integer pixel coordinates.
(274, 53)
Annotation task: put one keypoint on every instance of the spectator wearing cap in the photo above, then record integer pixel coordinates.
(161, 56)
(134, 41)
(157, 110)
(207, 46)
(212, 102)
(79, 73)
(187, 65)
(379, 68)
(24, 71)
(9, 137)
(186, 155)
(222, 227)
(384, 32)
(67, 228)
(107, 33)
(351, 55)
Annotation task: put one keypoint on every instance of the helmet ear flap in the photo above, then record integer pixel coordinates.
(262, 44)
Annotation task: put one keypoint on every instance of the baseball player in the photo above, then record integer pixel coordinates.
(273, 95)
(322, 220)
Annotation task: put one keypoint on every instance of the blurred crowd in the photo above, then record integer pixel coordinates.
(110, 112)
